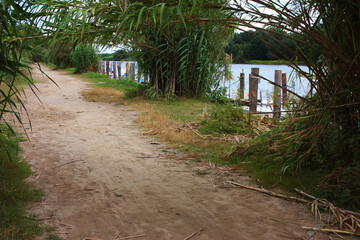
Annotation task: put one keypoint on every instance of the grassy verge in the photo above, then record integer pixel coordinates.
(15, 193)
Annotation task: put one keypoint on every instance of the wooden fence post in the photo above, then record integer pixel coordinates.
(119, 70)
(242, 85)
(107, 68)
(132, 71)
(253, 89)
(114, 69)
(277, 95)
(284, 85)
(139, 73)
(127, 70)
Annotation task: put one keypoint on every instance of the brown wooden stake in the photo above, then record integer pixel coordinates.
(107, 68)
(253, 89)
(127, 70)
(277, 95)
(139, 73)
(114, 69)
(132, 71)
(284, 84)
(242, 85)
(119, 70)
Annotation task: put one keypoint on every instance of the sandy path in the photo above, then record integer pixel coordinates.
(118, 183)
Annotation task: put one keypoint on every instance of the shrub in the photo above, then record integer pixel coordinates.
(84, 58)
(224, 118)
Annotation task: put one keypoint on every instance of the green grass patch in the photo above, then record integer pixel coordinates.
(100, 80)
(54, 67)
(184, 109)
(15, 193)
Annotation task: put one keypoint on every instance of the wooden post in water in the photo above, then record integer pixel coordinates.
(284, 85)
(127, 70)
(132, 71)
(119, 70)
(107, 66)
(139, 73)
(253, 89)
(242, 85)
(114, 69)
(277, 95)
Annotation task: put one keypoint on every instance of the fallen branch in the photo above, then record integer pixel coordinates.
(42, 219)
(270, 193)
(325, 204)
(332, 231)
(194, 131)
(342, 216)
(149, 156)
(131, 237)
(194, 234)
(66, 163)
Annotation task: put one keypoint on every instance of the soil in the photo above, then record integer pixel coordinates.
(104, 180)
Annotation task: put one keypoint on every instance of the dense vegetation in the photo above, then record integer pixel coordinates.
(323, 134)
(84, 58)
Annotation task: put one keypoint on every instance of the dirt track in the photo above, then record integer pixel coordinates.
(103, 179)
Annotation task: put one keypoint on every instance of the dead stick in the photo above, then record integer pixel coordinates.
(137, 236)
(326, 204)
(331, 230)
(194, 234)
(270, 193)
(42, 219)
(194, 131)
(66, 163)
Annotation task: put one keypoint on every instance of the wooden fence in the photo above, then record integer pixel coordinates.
(114, 70)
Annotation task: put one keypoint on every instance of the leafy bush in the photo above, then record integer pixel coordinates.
(84, 58)
(58, 53)
(224, 118)
(218, 94)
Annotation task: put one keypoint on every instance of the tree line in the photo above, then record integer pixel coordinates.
(255, 45)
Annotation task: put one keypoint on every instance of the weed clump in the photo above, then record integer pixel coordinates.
(15, 194)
